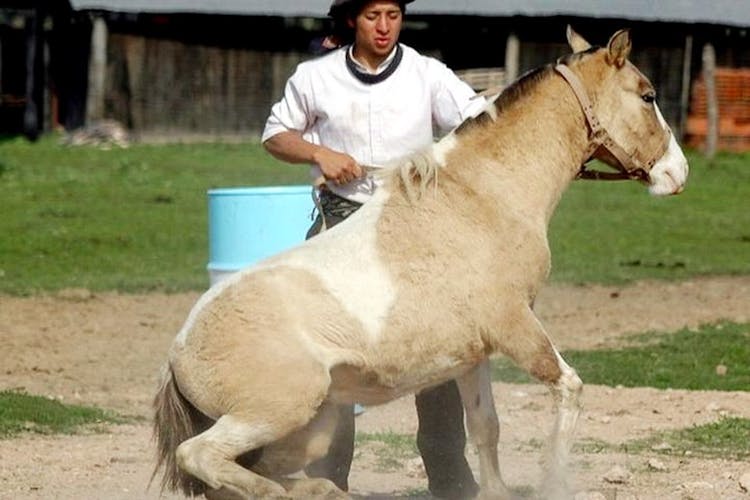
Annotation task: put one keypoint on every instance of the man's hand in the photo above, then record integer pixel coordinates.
(337, 167)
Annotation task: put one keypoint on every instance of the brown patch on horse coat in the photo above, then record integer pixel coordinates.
(546, 368)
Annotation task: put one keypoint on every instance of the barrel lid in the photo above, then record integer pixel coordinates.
(259, 190)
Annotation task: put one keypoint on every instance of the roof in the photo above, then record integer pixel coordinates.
(722, 12)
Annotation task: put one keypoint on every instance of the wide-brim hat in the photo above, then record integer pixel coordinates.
(339, 7)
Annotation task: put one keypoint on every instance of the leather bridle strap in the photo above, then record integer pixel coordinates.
(631, 167)
(596, 131)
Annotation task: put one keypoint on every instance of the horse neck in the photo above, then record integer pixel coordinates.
(535, 149)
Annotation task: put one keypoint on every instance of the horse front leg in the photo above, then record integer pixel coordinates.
(476, 394)
(531, 349)
(566, 391)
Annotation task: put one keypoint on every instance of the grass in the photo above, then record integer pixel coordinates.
(727, 438)
(135, 220)
(685, 359)
(128, 220)
(21, 412)
(390, 448)
(615, 233)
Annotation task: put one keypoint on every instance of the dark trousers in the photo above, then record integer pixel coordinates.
(441, 437)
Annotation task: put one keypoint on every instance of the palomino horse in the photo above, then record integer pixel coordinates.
(426, 281)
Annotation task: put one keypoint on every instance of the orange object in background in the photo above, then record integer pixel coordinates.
(733, 95)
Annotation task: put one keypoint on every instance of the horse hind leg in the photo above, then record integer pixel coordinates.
(532, 350)
(210, 457)
(299, 449)
(213, 458)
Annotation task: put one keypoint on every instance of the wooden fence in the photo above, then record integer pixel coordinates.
(166, 87)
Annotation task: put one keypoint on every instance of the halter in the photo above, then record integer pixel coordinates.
(631, 166)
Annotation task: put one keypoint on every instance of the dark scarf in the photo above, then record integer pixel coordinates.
(369, 78)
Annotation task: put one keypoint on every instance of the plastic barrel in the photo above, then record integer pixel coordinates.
(246, 225)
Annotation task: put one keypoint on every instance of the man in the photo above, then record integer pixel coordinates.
(368, 103)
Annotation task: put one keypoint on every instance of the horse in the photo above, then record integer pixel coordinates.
(421, 285)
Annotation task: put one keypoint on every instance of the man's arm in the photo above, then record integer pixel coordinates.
(453, 99)
(290, 147)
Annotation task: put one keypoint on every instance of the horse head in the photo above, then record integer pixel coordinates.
(627, 130)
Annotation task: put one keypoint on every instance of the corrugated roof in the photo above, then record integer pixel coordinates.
(302, 8)
(723, 12)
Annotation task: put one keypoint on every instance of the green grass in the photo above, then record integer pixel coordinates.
(617, 233)
(682, 360)
(727, 438)
(391, 448)
(21, 412)
(136, 220)
(130, 220)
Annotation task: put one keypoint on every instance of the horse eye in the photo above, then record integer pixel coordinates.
(649, 97)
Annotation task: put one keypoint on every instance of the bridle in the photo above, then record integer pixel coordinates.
(631, 166)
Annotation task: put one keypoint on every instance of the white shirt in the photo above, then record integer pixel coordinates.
(377, 123)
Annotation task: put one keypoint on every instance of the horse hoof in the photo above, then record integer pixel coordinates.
(223, 494)
(227, 494)
(318, 488)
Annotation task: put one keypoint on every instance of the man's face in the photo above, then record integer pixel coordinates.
(377, 27)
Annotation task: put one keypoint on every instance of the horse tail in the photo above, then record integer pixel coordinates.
(175, 420)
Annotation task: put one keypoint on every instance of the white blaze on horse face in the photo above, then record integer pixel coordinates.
(669, 174)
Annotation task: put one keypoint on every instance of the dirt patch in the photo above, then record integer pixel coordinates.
(106, 350)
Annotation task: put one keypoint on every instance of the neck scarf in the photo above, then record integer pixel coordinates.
(369, 78)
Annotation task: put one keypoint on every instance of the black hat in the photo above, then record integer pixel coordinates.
(346, 7)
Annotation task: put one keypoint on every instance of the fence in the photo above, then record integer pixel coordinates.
(733, 96)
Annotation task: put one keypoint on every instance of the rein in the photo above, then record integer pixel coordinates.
(631, 166)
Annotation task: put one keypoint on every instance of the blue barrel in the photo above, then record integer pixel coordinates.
(246, 225)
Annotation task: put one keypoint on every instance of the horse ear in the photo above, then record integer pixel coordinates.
(576, 41)
(618, 48)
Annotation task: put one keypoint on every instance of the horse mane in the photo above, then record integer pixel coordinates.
(412, 174)
(417, 172)
(519, 88)
(420, 170)
(516, 90)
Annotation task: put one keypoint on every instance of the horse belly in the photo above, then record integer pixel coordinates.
(351, 385)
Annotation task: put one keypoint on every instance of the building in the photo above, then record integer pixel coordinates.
(212, 68)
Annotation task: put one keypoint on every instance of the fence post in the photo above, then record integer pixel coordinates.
(33, 116)
(712, 105)
(512, 54)
(97, 71)
(687, 57)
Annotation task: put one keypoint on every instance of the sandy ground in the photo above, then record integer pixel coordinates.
(106, 349)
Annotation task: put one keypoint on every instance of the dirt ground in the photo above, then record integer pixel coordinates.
(106, 349)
